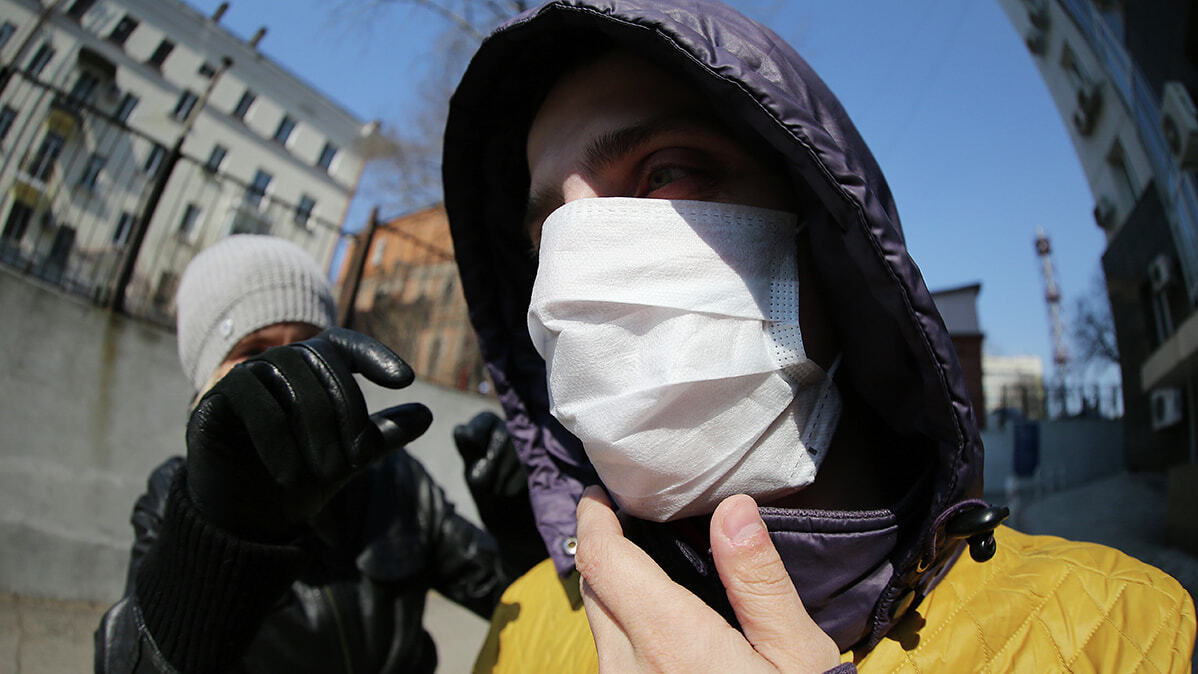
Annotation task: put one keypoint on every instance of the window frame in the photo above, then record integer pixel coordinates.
(244, 104)
(90, 176)
(124, 27)
(286, 127)
(185, 105)
(187, 222)
(331, 151)
(8, 118)
(258, 192)
(303, 211)
(154, 159)
(41, 164)
(124, 228)
(161, 53)
(119, 113)
(20, 224)
(217, 149)
(37, 63)
(79, 8)
(7, 30)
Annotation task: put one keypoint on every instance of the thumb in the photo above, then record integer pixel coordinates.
(771, 614)
(401, 424)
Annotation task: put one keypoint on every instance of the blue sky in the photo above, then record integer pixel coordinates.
(944, 92)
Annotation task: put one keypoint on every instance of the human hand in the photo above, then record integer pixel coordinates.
(492, 467)
(282, 432)
(499, 485)
(643, 621)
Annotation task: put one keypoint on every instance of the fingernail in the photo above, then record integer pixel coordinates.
(743, 523)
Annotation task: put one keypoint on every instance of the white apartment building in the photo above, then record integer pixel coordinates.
(1099, 122)
(1009, 380)
(1121, 78)
(101, 96)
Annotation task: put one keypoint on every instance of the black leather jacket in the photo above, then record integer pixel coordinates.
(360, 579)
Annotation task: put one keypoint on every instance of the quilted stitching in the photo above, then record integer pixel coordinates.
(1048, 605)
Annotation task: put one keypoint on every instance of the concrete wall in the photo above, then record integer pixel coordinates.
(1072, 452)
(89, 404)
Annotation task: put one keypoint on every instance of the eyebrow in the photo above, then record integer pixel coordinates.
(604, 151)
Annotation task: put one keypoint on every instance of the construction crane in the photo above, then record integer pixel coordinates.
(1052, 295)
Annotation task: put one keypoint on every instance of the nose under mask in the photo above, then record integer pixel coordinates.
(670, 333)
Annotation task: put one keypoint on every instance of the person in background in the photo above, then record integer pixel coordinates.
(721, 328)
(297, 534)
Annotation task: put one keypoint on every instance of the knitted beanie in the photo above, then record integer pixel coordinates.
(241, 284)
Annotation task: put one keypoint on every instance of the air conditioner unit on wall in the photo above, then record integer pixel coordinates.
(1104, 212)
(1165, 404)
(1038, 13)
(1036, 41)
(1179, 122)
(1089, 106)
(1160, 272)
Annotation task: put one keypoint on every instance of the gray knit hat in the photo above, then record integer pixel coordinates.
(243, 283)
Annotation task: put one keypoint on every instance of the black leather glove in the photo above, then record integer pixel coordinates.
(499, 485)
(282, 432)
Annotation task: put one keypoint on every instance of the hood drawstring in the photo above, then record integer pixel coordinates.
(978, 525)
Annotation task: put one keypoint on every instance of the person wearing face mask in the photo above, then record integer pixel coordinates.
(721, 328)
(297, 535)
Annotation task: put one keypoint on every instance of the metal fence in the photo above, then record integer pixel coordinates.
(1058, 401)
(78, 208)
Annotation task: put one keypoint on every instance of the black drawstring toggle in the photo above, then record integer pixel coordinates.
(978, 525)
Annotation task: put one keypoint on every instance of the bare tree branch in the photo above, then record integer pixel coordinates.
(1092, 329)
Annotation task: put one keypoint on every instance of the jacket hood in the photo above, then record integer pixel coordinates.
(897, 355)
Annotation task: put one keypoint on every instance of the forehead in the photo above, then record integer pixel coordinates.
(616, 91)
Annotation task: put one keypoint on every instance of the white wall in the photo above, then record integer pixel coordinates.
(1072, 452)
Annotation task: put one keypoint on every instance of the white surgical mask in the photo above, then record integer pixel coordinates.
(670, 333)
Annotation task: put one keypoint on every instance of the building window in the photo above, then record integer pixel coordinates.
(286, 126)
(326, 156)
(42, 163)
(184, 106)
(187, 223)
(18, 220)
(162, 51)
(125, 107)
(6, 31)
(85, 87)
(257, 189)
(154, 159)
(91, 173)
(41, 57)
(243, 105)
(206, 69)
(79, 8)
(216, 158)
(303, 210)
(124, 227)
(8, 115)
(124, 28)
(378, 254)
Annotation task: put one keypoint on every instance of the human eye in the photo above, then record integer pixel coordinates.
(677, 173)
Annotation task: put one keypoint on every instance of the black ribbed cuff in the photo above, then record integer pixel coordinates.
(203, 593)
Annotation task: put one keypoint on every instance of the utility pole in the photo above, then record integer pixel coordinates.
(116, 301)
(357, 265)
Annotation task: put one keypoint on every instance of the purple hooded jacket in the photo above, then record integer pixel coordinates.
(897, 355)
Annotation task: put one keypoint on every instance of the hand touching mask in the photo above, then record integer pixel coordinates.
(670, 333)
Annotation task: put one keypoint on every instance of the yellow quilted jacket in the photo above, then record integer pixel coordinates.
(1043, 604)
